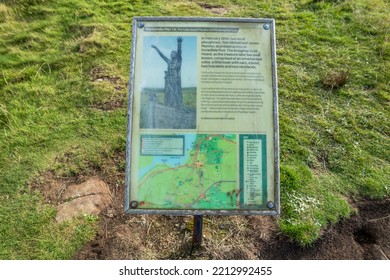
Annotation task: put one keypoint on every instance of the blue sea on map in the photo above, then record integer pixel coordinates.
(171, 161)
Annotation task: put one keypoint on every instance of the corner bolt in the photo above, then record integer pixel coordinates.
(271, 205)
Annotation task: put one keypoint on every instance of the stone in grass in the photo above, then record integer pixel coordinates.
(90, 197)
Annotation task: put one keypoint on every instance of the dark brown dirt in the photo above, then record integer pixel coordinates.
(160, 237)
(215, 9)
(121, 236)
(363, 236)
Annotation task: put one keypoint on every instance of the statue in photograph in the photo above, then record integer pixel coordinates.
(172, 89)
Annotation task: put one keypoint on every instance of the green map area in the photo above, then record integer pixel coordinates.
(205, 177)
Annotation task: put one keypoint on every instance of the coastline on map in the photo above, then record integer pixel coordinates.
(171, 160)
(204, 177)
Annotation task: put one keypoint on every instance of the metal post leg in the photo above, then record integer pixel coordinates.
(198, 231)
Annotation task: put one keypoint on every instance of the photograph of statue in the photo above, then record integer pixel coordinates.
(168, 88)
(172, 88)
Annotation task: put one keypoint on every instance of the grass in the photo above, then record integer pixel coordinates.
(63, 66)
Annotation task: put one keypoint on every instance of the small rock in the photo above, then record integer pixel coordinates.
(89, 187)
(91, 197)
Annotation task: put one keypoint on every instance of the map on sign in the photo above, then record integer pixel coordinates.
(203, 177)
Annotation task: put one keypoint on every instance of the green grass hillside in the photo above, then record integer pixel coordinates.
(63, 96)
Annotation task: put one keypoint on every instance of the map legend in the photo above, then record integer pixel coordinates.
(252, 171)
(162, 145)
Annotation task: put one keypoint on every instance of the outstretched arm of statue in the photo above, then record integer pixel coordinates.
(179, 42)
(160, 53)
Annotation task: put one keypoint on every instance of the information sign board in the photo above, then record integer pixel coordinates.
(202, 119)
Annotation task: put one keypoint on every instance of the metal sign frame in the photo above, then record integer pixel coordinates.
(272, 207)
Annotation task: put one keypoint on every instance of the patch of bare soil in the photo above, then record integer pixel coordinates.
(364, 236)
(110, 105)
(215, 9)
(122, 236)
(100, 75)
(116, 84)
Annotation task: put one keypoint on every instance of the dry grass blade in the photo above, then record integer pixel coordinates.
(335, 80)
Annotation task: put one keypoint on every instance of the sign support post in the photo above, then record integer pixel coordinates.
(198, 231)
